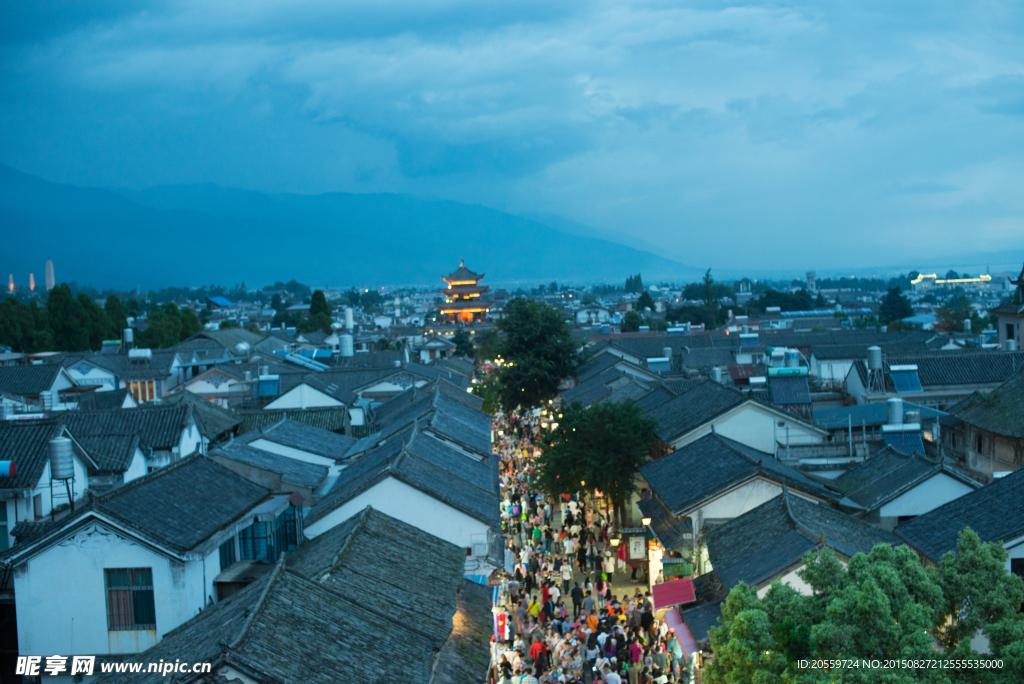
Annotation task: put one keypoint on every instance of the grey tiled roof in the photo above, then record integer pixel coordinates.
(292, 471)
(668, 528)
(1000, 411)
(332, 419)
(704, 468)
(113, 399)
(158, 366)
(213, 420)
(995, 512)
(27, 443)
(25, 381)
(183, 504)
(436, 407)
(875, 414)
(348, 560)
(298, 436)
(113, 453)
(693, 408)
(655, 398)
(466, 654)
(936, 369)
(765, 542)
(158, 426)
(887, 475)
(425, 463)
(702, 618)
(342, 384)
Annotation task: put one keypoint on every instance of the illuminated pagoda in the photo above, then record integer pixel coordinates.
(464, 302)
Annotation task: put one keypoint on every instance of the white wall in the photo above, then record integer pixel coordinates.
(190, 440)
(932, 493)
(303, 396)
(291, 452)
(137, 468)
(792, 579)
(60, 594)
(742, 499)
(409, 505)
(103, 379)
(757, 427)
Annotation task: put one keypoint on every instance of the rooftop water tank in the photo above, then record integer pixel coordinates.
(242, 349)
(874, 358)
(7, 469)
(129, 335)
(667, 352)
(62, 459)
(1011, 345)
(347, 346)
(895, 411)
(792, 358)
(349, 323)
(716, 374)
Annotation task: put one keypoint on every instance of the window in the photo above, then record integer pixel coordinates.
(1017, 567)
(288, 529)
(3, 526)
(37, 506)
(255, 543)
(130, 599)
(1010, 332)
(978, 444)
(227, 553)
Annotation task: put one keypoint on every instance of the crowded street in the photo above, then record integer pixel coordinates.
(574, 610)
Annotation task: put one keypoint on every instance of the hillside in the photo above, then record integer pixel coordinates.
(195, 234)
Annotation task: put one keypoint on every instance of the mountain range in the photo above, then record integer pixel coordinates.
(199, 234)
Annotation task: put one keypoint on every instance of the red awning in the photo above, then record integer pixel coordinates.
(676, 624)
(673, 593)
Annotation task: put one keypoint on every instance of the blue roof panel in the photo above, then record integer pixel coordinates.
(906, 382)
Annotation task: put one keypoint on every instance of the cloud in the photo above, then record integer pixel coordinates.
(831, 125)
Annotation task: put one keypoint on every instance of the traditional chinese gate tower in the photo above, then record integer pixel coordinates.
(464, 302)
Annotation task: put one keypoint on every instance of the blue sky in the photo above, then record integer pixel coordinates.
(828, 135)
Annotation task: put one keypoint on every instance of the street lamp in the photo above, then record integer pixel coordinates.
(645, 521)
(614, 541)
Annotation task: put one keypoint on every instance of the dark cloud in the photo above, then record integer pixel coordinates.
(832, 124)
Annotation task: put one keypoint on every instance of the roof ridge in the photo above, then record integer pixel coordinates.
(819, 538)
(362, 516)
(150, 477)
(275, 574)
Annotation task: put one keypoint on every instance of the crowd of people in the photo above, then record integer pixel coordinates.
(566, 623)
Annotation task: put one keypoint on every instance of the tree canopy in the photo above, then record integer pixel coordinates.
(538, 351)
(631, 322)
(603, 445)
(463, 343)
(895, 306)
(634, 284)
(882, 605)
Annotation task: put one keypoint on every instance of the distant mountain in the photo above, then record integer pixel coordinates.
(197, 234)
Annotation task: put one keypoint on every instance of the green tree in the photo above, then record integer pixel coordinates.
(98, 322)
(370, 300)
(318, 305)
(645, 301)
(631, 322)
(163, 327)
(190, 323)
(277, 304)
(68, 320)
(634, 284)
(463, 343)
(116, 315)
(133, 308)
(488, 345)
(603, 445)
(745, 646)
(711, 299)
(539, 353)
(895, 306)
(976, 589)
(951, 316)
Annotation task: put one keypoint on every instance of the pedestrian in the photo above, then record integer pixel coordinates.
(566, 576)
(577, 600)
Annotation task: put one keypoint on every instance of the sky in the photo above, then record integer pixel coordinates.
(838, 134)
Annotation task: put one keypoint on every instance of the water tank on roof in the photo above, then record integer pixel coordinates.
(347, 346)
(667, 352)
(1011, 345)
(140, 355)
(7, 469)
(129, 335)
(62, 459)
(792, 358)
(349, 323)
(716, 374)
(874, 358)
(336, 326)
(895, 411)
(242, 349)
